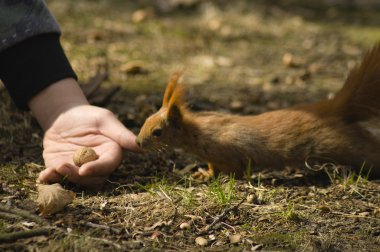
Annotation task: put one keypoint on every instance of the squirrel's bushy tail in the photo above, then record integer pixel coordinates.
(359, 99)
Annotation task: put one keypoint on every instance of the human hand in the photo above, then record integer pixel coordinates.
(69, 124)
(78, 127)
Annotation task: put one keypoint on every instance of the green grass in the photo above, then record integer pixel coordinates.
(158, 185)
(186, 193)
(13, 172)
(248, 173)
(291, 214)
(222, 192)
(347, 177)
(289, 241)
(80, 243)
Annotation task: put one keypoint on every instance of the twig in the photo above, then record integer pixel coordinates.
(9, 216)
(219, 217)
(107, 97)
(166, 196)
(341, 213)
(104, 227)
(23, 213)
(11, 237)
(112, 243)
(94, 83)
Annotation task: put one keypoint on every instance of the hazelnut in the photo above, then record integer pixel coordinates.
(84, 155)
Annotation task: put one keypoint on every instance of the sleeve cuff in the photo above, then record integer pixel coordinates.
(32, 65)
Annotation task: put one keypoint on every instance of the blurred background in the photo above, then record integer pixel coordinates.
(242, 57)
(253, 49)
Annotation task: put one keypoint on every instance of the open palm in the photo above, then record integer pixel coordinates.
(78, 127)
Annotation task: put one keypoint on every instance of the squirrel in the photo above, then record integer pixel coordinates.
(344, 129)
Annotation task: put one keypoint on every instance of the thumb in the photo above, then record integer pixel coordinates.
(114, 129)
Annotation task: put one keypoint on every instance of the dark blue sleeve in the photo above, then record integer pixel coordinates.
(31, 55)
(22, 19)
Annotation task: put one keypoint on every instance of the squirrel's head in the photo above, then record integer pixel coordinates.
(159, 130)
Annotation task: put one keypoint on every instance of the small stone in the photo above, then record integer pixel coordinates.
(214, 24)
(133, 68)
(155, 235)
(201, 241)
(236, 106)
(290, 60)
(251, 198)
(141, 15)
(257, 247)
(212, 237)
(235, 238)
(184, 225)
(376, 211)
(314, 68)
(223, 61)
(323, 208)
(84, 155)
(364, 214)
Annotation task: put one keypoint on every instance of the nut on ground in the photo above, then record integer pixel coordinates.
(84, 155)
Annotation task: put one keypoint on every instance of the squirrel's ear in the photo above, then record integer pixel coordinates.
(172, 85)
(174, 115)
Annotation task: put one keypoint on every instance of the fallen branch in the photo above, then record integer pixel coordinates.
(23, 213)
(104, 227)
(11, 237)
(109, 242)
(341, 213)
(9, 216)
(220, 217)
(94, 84)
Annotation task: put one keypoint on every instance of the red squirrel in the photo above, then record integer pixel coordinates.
(345, 129)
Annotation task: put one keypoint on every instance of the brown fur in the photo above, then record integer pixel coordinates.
(345, 129)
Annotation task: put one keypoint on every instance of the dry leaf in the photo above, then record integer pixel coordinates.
(235, 238)
(323, 208)
(53, 198)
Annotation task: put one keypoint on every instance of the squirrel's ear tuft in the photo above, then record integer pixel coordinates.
(171, 87)
(173, 100)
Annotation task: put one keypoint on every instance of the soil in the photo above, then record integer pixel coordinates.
(243, 57)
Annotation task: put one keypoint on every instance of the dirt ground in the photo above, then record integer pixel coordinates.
(243, 57)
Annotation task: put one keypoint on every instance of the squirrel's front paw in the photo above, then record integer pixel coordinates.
(203, 175)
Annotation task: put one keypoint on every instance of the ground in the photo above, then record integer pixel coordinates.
(243, 57)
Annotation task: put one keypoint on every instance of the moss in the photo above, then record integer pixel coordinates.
(272, 240)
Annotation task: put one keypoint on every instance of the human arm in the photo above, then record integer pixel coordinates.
(39, 77)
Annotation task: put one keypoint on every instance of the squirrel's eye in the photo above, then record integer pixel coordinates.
(157, 132)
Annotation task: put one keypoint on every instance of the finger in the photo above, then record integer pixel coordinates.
(49, 175)
(115, 130)
(67, 170)
(103, 166)
(70, 172)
